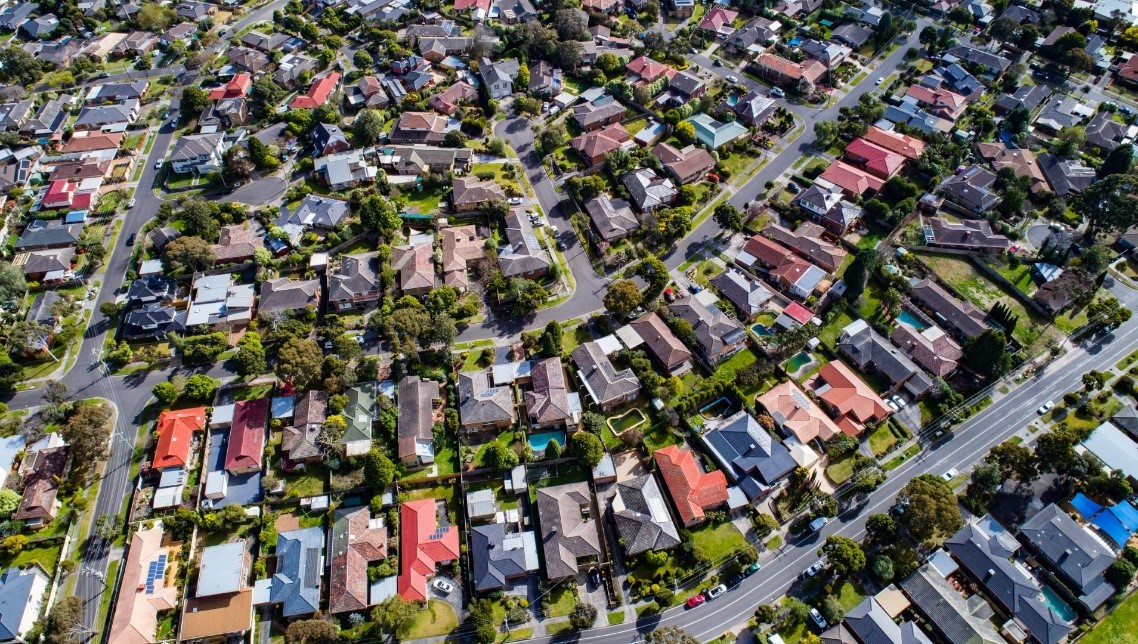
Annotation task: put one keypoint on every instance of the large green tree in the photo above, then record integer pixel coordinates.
(1109, 205)
(623, 297)
(587, 447)
(844, 554)
(932, 512)
(299, 361)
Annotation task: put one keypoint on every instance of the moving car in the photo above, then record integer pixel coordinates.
(515, 201)
(817, 618)
(443, 586)
(715, 592)
(696, 600)
(130, 240)
(130, 204)
(731, 78)
(1045, 408)
(777, 92)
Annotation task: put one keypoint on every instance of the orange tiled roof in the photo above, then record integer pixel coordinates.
(175, 433)
(692, 490)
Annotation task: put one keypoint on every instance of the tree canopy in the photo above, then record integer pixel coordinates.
(932, 510)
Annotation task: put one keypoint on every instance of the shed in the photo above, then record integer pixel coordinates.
(1114, 448)
(150, 267)
(216, 484)
(629, 336)
(222, 416)
(605, 470)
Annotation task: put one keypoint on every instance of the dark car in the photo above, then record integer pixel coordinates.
(130, 240)
(735, 580)
(595, 575)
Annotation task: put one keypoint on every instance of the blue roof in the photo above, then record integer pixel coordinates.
(1113, 528)
(1084, 506)
(1126, 514)
(282, 406)
(296, 584)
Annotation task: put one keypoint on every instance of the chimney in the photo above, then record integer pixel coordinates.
(1063, 557)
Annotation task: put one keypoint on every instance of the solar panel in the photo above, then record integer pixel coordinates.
(312, 567)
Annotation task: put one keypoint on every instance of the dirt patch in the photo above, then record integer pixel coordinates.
(286, 522)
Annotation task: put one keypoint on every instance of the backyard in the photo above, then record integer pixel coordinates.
(1118, 627)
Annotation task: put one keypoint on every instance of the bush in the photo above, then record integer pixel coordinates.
(583, 616)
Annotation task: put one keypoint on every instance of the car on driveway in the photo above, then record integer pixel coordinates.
(817, 618)
(443, 586)
(715, 592)
(696, 601)
(595, 576)
(1045, 408)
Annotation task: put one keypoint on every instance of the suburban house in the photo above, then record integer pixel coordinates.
(933, 349)
(754, 109)
(175, 431)
(358, 539)
(718, 21)
(953, 617)
(462, 251)
(197, 153)
(451, 98)
(646, 71)
(417, 401)
(613, 218)
(686, 165)
(789, 272)
(499, 76)
(851, 180)
(296, 585)
(523, 256)
(360, 412)
(948, 310)
(223, 604)
(1021, 161)
(245, 451)
(809, 241)
(601, 112)
(717, 335)
(471, 194)
(715, 134)
(967, 234)
(354, 281)
(694, 492)
(483, 406)
(870, 621)
(870, 351)
(595, 146)
(876, 160)
(22, 592)
(748, 294)
(971, 190)
(787, 73)
(1066, 176)
(547, 403)
(797, 415)
(314, 211)
(570, 532)
(851, 402)
(501, 557)
(661, 344)
(328, 139)
(318, 92)
(544, 79)
(641, 516)
(607, 387)
(1078, 554)
(368, 93)
(147, 587)
(414, 264)
(648, 190)
(300, 441)
(419, 127)
(748, 453)
(237, 243)
(39, 502)
(940, 101)
(826, 206)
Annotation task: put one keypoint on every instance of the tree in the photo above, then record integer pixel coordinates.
(264, 96)
(406, 328)
(1120, 574)
(844, 554)
(166, 393)
(1014, 461)
(299, 361)
(265, 157)
(987, 353)
(368, 126)
(551, 339)
(728, 216)
(238, 164)
(553, 450)
(362, 60)
(250, 356)
(9, 503)
(1119, 161)
(154, 17)
(499, 457)
(87, 431)
(201, 387)
(831, 609)
(199, 218)
(194, 101)
(583, 617)
(685, 131)
(64, 616)
(622, 297)
(379, 213)
(932, 510)
(670, 635)
(311, 631)
(12, 282)
(1068, 142)
(587, 447)
(881, 528)
(188, 254)
(530, 297)
(883, 568)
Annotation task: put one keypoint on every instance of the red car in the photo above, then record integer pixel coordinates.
(696, 600)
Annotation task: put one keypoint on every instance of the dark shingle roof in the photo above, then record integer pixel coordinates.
(641, 516)
(1072, 549)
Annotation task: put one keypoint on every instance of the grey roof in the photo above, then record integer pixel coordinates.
(299, 441)
(992, 63)
(154, 288)
(972, 189)
(868, 348)
(316, 211)
(1127, 418)
(195, 146)
(1059, 113)
(649, 191)
(746, 450)
(50, 116)
(713, 329)
(102, 115)
(18, 589)
(641, 516)
(149, 321)
(871, 624)
(222, 569)
(686, 82)
(1104, 132)
(852, 34)
(49, 235)
(963, 315)
(754, 107)
(499, 557)
(159, 237)
(569, 528)
(17, 13)
(501, 71)
(300, 565)
(357, 275)
(660, 341)
(117, 92)
(988, 560)
(480, 504)
(744, 291)
(324, 134)
(1066, 176)
(40, 311)
(1080, 556)
(524, 253)
(286, 294)
(1026, 96)
(952, 616)
(612, 217)
(360, 413)
(601, 379)
(479, 402)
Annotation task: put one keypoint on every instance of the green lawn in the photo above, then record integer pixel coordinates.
(849, 595)
(566, 473)
(499, 170)
(737, 162)
(830, 332)
(446, 492)
(438, 619)
(735, 364)
(426, 201)
(719, 541)
(1119, 627)
(841, 469)
(306, 482)
(519, 634)
(616, 618)
(706, 270)
(46, 555)
(881, 439)
(554, 630)
(561, 601)
(658, 437)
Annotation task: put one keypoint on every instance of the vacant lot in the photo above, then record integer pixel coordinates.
(1119, 627)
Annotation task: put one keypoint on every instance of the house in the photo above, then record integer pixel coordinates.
(367, 93)
(984, 551)
(646, 71)
(693, 491)
(569, 523)
(830, 53)
(345, 169)
(607, 387)
(932, 349)
(1066, 176)
(499, 76)
(415, 266)
(426, 539)
(218, 300)
(14, 115)
(1104, 133)
(267, 43)
(596, 145)
(501, 557)
(1028, 97)
(224, 569)
(358, 539)
(681, 8)
(808, 241)
(49, 118)
(483, 406)
(22, 592)
(868, 350)
(192, 10)
(908, 112)
(462, 251)
(787, 73)
(544, 79)
(328, 139)
(852, 34)
(111, 93)
(747, 453)
(419, 127)
(903, 144)
(598, 114)
(797, 415)
(874, 159)
(197, 153)
(954, 313)
(1078, 554)
(148, 587)
(421, 159)
(952, 617)
(717, 336)
(662, 345)
(648, 190)
(850, 401)
(852, 181)
(715, 134)
(523, 256)
(512, 12)
(237, 243)
(971, 190)
(223, 605)
(72, 195)
(547, 403)
(108, 118)
(748, 294)
(824, 205)
(1117, 452)
(41, 235)
(870, 622)
(355, 281)
(1060, 112)
(795, 8)
(296, 586)
(684, 87)
(686, 165)
(613, 218)
(969, 234)
(152, 320)
(318, 93)
(175, 431)
(471, 194)
(246, 449)
(438, 48)
(799, 278)
(360, 413)
(300, 441)
(41, 27)
(39, 502)
(451, 98)
(641, 516)
(80, 170)
(247, 60)
(15, 14)
(754, 109)
(718, 21)
(51, 265)
(417, 400)
(314, 211)
(41, 310)
(1021, 161)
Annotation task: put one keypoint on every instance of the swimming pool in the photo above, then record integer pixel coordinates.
(1056, 603)
(733, 100)
(539, 441)
(912, 320)
(760, 330)
(717, 408)
(797, 361)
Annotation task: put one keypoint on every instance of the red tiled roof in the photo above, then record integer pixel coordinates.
(175, 433)
(851, 179)
(717, 18)
(463, 5)
(648, 69)
(881, 162)
(235, 88)
(851, 397)
(361, 543)
(318, 92)
(798, 313)
(93, 142)
(903, 144)
(693, 491)
(942, 100)
(592, 145)
(1129, 69)
(423, 545)
(247, 435)
(769, 252)
(811, 70)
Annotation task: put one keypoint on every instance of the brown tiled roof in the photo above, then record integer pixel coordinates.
(217, 615)
(806, 240)
(415, 266)
(416, 399)
(356, 541)
(549, 400)
(568, 533)
(661, 342)
(849, 395)
(471, 190)
(693, 491)
(932, 348)
(40, 484)
(237, 242)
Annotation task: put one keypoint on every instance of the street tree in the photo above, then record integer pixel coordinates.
(932, 511)
(367, 127)
(250, 356)
(311, 631)
(670, 635)
(844, 554)
(1109, 205)
(194, 101)
(623, 297)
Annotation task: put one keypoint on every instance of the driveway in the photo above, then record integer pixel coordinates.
(258, 192)
(592, 594)
(454, 597)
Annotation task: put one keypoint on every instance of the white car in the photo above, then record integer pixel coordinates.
(1045, 408)
(731, 78)
(158, 165)
(892, 405)
(715, 592)
(949, 475)
(879, 81)
(443, 586)
(130, 204)
(817, 618)
(815, 568)
(545, 107)
(777, 92)
(515, 201)
(900, 402)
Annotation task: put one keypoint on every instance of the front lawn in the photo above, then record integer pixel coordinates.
(44, 554)
(560, 601)
(438, 619)
(1117, 627)
(882, 439)
(718, 542)
(841, 470)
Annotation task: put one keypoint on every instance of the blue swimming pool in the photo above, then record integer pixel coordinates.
(1056, 603)
(733, 100)
(539, 441)
(912, 320)
(760, 330)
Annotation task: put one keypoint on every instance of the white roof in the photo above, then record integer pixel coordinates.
(1114, 448)
(222, 415)
(629, 336)
(150, 267)
(504, 374)
(168, 497)
(706, 297)
(222, 569)
(609, 344)
(943, 563)
(216, 484)
(382, 589)
(261, 591)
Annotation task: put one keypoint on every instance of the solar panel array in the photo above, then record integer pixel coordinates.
(312, 567)
(439, 533)
(154, 572)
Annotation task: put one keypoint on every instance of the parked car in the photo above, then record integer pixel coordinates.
(818, 524)
(777, 92)
(595, 576)
(715, 592)
(817, 618)
(443, 586)
(515, 201)
(545, 107)
(717, 62)
(815, 568)
(130, 240)
(696, 600)
(949, 475)
(899, 401)
(561, 245)
(158, 165)
(1045, 408)
(731, 78)
(751, 569)
(736, 579)
(130, 204)
(892, 406)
